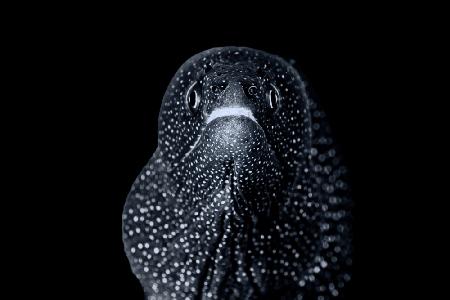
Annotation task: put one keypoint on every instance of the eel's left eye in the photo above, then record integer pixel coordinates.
(273, 97)
(193, 97)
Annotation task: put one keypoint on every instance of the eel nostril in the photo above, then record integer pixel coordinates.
(252, 90)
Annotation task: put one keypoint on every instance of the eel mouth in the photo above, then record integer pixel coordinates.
(233, 149)
(224, 113)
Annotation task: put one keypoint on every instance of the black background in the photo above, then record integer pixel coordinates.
(98, 80)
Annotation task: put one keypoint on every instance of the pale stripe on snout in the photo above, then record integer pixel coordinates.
(230, 111)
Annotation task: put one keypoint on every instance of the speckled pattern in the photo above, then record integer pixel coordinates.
(245, 196)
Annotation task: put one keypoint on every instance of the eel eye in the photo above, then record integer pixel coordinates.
(193, 97)
(273, 97)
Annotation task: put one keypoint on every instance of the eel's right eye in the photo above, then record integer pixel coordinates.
(193, 97)
(273, 97)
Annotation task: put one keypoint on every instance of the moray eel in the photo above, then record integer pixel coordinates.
(245, 196)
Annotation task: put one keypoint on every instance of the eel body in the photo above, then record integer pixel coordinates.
(245, 196)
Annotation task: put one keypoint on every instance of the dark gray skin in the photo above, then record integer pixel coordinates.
(245, 196)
